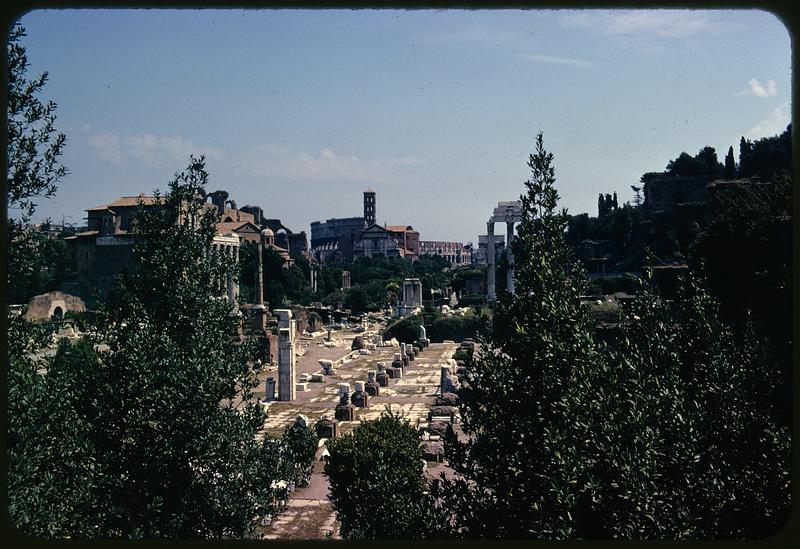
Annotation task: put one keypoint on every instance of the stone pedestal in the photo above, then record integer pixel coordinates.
(327, 428)
(360, 397)
(270, 389)
(397, 362)
(372, 387)
(382, 379)
(344, 410)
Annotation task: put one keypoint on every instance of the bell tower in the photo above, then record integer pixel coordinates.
(369, 207)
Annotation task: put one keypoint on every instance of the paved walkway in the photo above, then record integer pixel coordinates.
(309, 514)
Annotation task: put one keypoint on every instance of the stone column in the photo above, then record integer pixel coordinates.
(510, 257)
(287, 377)
(259, 308)
(490, 290)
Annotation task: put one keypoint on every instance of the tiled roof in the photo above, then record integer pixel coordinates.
(227, 226)
(397, 228)
(128, 201)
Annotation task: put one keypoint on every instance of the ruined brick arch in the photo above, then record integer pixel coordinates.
(227, 219)
(58, 313)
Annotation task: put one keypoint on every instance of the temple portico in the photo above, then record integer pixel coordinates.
(508, 213)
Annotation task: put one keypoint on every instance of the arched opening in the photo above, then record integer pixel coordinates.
(58, 313)
(227, 219)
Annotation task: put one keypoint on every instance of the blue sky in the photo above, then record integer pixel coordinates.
(301, 111)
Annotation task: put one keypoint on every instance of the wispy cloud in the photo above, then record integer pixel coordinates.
(775, 123)
(149, 149)
(661, 23)
(326, 165)
(554, 60)
(755, 88)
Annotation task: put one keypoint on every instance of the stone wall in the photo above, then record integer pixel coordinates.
(45, 306)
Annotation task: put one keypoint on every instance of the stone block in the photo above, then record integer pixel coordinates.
(360, 399)
(317, 378)
(372, 388)
(433, 450)
(447, 399)
(301, 387)
(438, 428)
(327, 428)
(305, 378)
(448, 411)
(345, 412)
(382, 378)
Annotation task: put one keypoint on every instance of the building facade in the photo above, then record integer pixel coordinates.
(479, 256)
(456, 253)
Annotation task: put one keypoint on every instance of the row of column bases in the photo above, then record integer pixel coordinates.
(491, 292)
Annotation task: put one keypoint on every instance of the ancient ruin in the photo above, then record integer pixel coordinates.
(508, 213)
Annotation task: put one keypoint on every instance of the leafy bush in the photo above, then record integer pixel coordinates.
(377, 483)
(300, 447)
(404, 330)
(471, 300)
(456, 328)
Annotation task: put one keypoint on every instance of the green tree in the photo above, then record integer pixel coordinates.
(300, 447)
(34, 168)
(766, 157)
(705, 162)
(377, 484)
(154, 437)
(730, 165)
(746, 252)
(668, 431)
(179, 435)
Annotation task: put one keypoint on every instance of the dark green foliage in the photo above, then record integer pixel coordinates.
(377, 483)
(181, 452)
(34, 170)
(300, 446)
(606, 204)
(608, 285)
(371, 296)
(462, 276)
(404, 330)
(51, 481)
(746, 251)
(766, 157)
(705, 162)
(730, 165)
(667, 433)
(282, 285)
(154, 437)
(470, 300)
(463, 354)
(456, 328)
